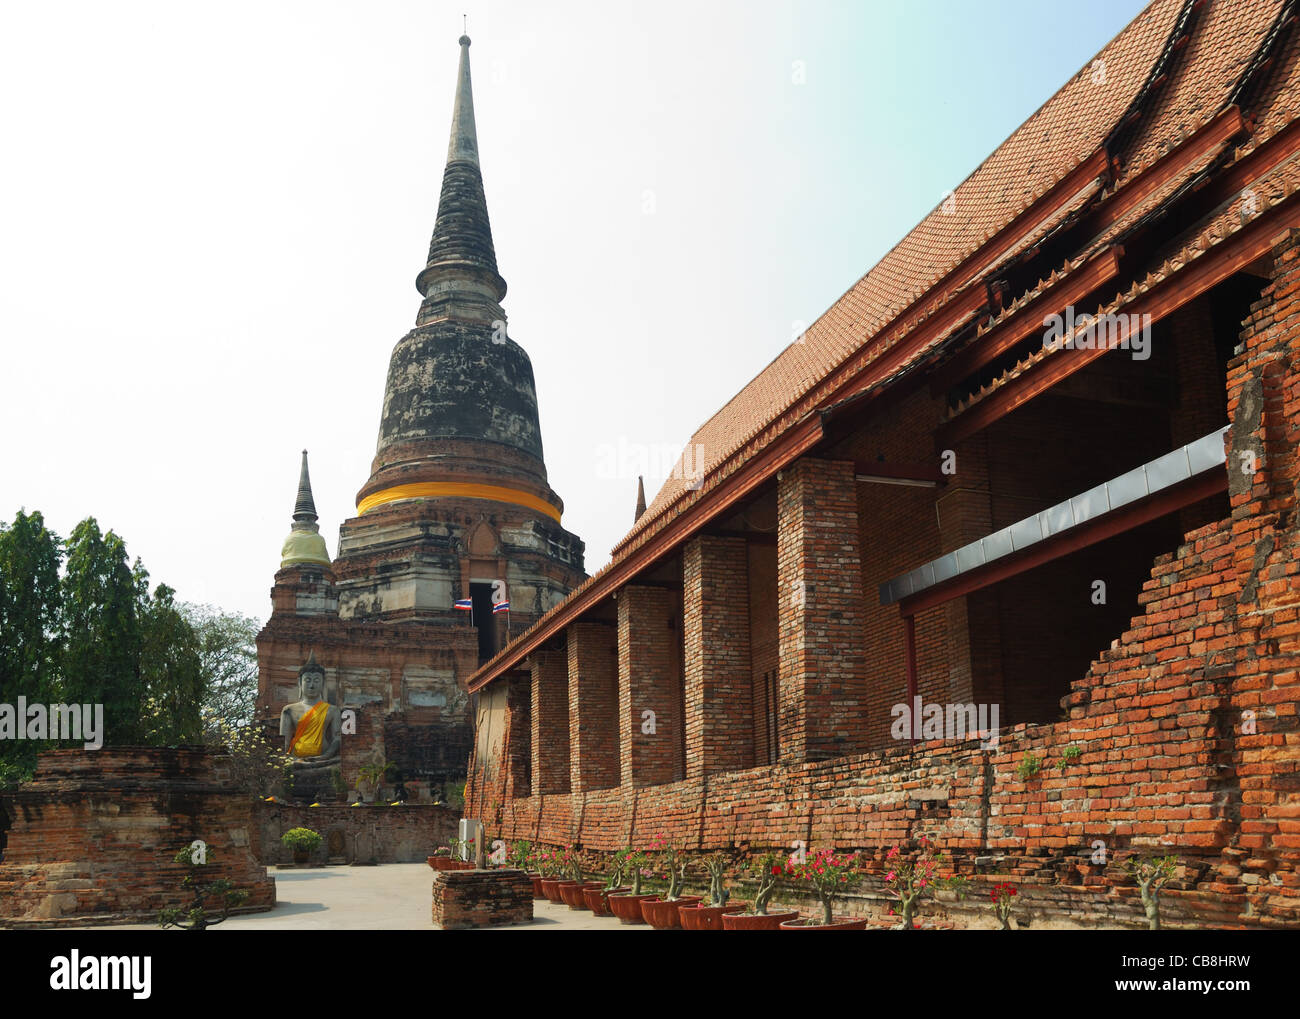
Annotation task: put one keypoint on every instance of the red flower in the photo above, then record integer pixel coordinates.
(776, 869)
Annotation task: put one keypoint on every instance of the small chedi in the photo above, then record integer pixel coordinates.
(313, 734)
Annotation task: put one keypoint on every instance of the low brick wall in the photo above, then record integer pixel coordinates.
(405, 834)
(93, 836)
(481, 898)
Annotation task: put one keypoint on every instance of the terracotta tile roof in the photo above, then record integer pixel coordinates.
(1063, 131)
(1060, 136)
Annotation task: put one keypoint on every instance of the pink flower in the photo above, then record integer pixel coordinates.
(889, 876)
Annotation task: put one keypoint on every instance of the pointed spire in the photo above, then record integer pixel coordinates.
(464, 138)
(640, 497)
(305, 508)
(460, 278)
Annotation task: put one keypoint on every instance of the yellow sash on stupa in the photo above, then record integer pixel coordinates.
(310, 734)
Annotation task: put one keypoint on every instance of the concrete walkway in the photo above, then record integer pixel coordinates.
(393, 896)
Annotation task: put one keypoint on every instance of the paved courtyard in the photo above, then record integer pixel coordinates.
(394, 896)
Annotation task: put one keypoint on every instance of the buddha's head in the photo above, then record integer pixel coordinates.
(311, 679)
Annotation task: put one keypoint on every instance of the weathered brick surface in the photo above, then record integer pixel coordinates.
(820, 605)
(550, 722)
(1186, 727)
(481, 898)
(718, 681)
(649, 679)
(406, 834)
(593, 706)
(94, 834)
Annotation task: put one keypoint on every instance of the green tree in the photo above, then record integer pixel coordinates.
(171, 668)
(30, 635)
(102, 598)
(228, 650)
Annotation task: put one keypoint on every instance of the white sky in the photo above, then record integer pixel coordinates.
(211, 219)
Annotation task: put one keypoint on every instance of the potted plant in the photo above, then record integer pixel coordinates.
(908, 881)
(707, 914)
(597, 898)
(372, 777)
(828, 875)
(627, 905)
(552, 864)
(441, 858)
(662, 913)
(1002, 896)
(767, 870)
(571, 890)
(302, 842)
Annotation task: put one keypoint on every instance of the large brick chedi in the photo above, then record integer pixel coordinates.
(455, 518)
(819, 591)
(94, 834)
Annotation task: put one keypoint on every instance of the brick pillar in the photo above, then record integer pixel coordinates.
(647, 681)
(1201, 404)
(715, 625)
(822, 693)
(965, 514)
(550, 722)
(1263, 449)
(593, 706)
(519, 736)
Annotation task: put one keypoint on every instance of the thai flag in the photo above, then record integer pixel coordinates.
(464, 604)
(503, 606)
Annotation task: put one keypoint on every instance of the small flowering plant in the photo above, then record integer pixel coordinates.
(767, 869)
(1002, 894)
(636, 868)
(828, 874)
(672, 862)
(909, 881)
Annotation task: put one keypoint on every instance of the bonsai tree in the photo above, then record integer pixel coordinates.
(302, 842)
(717, 865)
(617, 866)
(571, 863)
(637, 865)
(909, 881)
(1002, 896)
(1152, 873)
(767, 869)
(828, 875)
(196, 917)
(673, 862)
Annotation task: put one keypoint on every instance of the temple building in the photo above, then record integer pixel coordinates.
(1004, 550)
(457, 539)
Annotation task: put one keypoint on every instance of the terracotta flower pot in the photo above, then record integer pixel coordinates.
(560, 883)
(707, 918)
(536, 879)
(597, 899)
(749, 922)
(662, 914)
(841, 924)
(628, 907)
(440, 862)
(549, 890)
(572, 893)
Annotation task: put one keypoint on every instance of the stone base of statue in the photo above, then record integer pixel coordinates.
(315, 785)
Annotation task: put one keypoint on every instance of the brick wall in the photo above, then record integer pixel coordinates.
(550, 721)
(820, 606)
(593, 706)
(719, 682)
(406, 834)
(95, 832)
(648, 680)
(1186, 728)
(481, 898)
